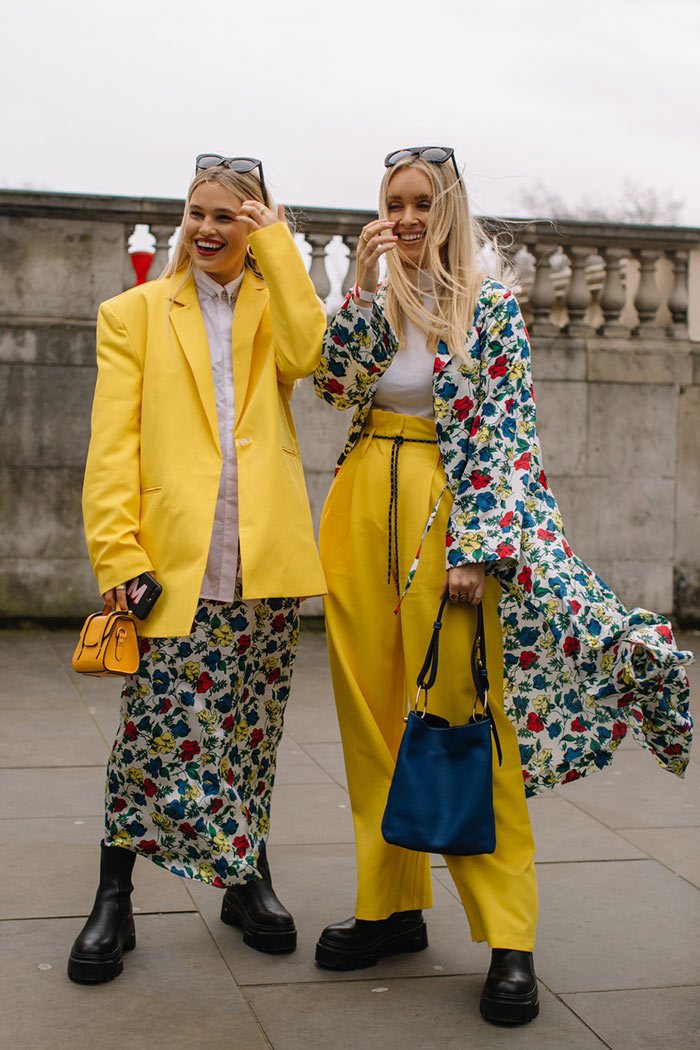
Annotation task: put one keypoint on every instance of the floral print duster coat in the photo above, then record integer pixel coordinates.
(581, 671)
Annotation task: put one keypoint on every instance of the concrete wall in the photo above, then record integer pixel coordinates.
(619, 422)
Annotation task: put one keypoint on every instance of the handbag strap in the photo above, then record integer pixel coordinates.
(428, 672)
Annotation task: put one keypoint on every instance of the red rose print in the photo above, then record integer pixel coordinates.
(187, 830)
(499, 367)
(534, 722)
(543, 480)
(274, 674)
(333, 386)
(165, 707)
(544, 535)
(243, 643)
(525, 578)
(130, 731)
(216, 805)
(260, 788)
(228, 723)
(619, 730)
(625, 700)
(144, 646)
(567, 549)
(475, 426)
(523, 462)
(449, 540)
(664, 632)
(504, 550)
(337, 339)
(229, 776)
(528, 658)
(240, 844)
(506, 520)
(218, 883)
(118, 805)
(480, 479)
(278, 622)
(573, 774)
(149, 846)
(673, 749)
(571, 646)
(255, 737)
(509, 403)
(149, 787)
(462, 406)
(204, 682)
(188, 750)
(575, 606)
(578, 725)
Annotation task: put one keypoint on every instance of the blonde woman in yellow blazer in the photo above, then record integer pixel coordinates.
(194, 474)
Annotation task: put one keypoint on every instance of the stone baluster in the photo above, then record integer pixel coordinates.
(578, 294)
(678, 299)
(648, 298)
(613, 295)
(542, 294)
(162, 235)
(317, 271)
(127, 268)
(350, 242)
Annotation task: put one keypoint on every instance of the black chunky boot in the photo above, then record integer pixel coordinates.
(510, 992)
(267, 925)
(356, 943)
(96, 954)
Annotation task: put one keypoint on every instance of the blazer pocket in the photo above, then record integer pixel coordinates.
(290, 451)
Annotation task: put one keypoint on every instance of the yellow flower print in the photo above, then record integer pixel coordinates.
(241, 731)
(205, 759)
(602, 614)
(206, 872)
(264, 824)
(676, 765)
(158, 657)
(220, 844)
(142, 690)
(503, 490)
(541, 705)
(557, 519)
(123, 839)
(322, 367)
(162, 821)
(441, 407)
(270, 664)
(190, 794)
(627, 676)
(607, 661)
(364, 339)
(223, 766)
(552, 607)
(135, 775)
(497, 327)
(517, 370)
(543, 758)
(162, 744)
(221, 636)
(191, 671)
(260, 614)
(483, 435)
(251, 777)
(540, 571)
(530, 505)
(273, 709)
(470, 541)
(207, 720)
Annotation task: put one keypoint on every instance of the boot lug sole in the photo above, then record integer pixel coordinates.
(501, 1011)
(274, 942)
(97, 969)
(332, 957)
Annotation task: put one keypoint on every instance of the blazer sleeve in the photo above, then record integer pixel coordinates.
(297, 315)
(356, 351)
(111, 488)
(486, 520)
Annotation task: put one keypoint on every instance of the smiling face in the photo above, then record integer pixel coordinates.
(215, 241)
(409, 200)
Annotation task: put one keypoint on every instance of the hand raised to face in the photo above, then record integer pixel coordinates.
(256, 216)
(375, 240)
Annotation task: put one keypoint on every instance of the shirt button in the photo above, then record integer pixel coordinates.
(243, 441)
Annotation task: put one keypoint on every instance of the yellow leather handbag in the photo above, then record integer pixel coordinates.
(108, 645)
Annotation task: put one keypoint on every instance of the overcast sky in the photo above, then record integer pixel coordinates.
(118, 98)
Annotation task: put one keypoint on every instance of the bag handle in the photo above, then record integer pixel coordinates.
(428, 672)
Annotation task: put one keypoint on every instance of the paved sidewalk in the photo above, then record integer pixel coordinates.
(619, 871)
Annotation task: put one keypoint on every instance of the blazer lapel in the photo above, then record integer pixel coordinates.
(250, 304)
(189, 327)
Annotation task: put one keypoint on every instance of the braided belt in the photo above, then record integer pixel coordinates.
(393, 522)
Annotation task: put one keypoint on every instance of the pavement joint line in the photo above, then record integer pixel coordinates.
(32, 769)
(582, 1021)
(84, 915)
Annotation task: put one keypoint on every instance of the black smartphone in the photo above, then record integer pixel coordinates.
(142, 593)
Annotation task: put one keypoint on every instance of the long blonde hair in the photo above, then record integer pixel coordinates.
(246, 186)
(452, 241)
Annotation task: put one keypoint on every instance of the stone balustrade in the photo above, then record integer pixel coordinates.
(613, 312)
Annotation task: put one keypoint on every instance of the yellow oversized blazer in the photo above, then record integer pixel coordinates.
(154, 462)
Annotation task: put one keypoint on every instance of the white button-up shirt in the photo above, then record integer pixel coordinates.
(217, 303)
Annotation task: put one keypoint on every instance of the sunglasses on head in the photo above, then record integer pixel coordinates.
(241, 165)
(433, 154)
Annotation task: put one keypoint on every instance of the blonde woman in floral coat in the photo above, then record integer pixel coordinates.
(193, 473)
(442, 458)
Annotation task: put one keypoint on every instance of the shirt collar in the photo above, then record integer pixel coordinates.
(226, 293)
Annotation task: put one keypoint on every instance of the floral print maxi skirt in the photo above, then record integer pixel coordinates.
(190, 776)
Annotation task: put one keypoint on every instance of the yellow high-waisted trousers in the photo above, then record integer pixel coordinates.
(375, 656)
